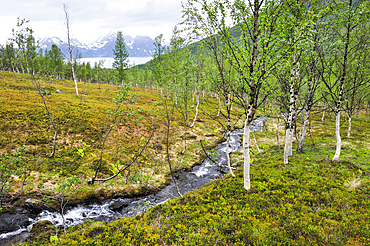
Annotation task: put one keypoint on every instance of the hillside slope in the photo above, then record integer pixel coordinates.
(311, 201)
(83, 123)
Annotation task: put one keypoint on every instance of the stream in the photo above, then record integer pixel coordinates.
(15, 226)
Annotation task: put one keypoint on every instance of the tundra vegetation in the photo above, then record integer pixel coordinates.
(129, 130)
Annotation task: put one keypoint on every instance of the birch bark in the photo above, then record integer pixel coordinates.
(337, 134)
(228, 154)
(247, 157)
(349, 127)
(65, 8)
(219, 105)
(290, 124)
(342, 81)
(196, 111)
(304, 131)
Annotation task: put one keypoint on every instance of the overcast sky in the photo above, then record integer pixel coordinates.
(91, 18)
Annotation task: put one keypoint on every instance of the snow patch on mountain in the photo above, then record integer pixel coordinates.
(140, 46)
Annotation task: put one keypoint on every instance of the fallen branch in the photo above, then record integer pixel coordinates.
(92, 180)
(37, 85)
(208, 155)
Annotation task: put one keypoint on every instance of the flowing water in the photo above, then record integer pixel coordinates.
(126, 207)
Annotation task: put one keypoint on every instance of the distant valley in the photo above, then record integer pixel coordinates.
(140, 46)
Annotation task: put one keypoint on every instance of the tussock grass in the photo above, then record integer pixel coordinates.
(82, 123)
(353, 183)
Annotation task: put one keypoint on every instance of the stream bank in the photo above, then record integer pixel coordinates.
(15, 225)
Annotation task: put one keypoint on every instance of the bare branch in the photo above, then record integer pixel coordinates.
(91, 181)
(37, 85)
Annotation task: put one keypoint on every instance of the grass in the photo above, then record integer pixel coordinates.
(311, 201)
(304, 203)
(82, 123)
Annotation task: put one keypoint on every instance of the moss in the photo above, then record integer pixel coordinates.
(303, 203)
(41, 232)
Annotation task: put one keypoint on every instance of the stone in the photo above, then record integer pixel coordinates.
(16, 239)
(118, 204)
(101, 218)
(13, 221)
(215, 176)
(35, 206)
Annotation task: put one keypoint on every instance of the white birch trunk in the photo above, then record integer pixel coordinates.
(290, 142)
(247, 157)
(230, 98)
(219, 105)
(196, 112)
(323, 113)
(263, 121)
(289, 128)
(185, 144)
(349, 127)
(255, 142)
(65, 8)
(74, 76)
(195, 91)
(289, 125)
(304, 131)
(288, 145)
(339, 141)
(228, 154)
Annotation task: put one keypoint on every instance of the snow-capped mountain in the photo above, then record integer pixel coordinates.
(46, 43)
(100, 42)
(140, 46)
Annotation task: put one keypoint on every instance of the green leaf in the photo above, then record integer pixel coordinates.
(54, 239)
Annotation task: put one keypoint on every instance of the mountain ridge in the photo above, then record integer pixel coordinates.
(140, 46)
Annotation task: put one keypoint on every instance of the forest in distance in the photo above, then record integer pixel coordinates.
(72, 133)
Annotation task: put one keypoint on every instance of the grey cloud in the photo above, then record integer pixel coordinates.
(46, 10)
(96, 14)
(153, 15)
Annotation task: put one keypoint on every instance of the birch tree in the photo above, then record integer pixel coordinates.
(221, 76)
(68, 25)
(198, 74)
(309, 74)
(186, 84)
(157, 63)
(251, 54)
(25, 51)
(297, 33)
(346, 21)
(355, 91)
(174, 57)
